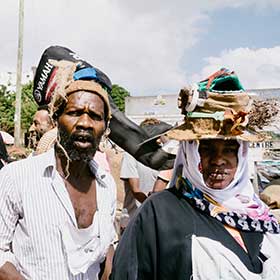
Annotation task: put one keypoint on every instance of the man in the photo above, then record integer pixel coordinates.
(57, 209)
(210, 224)
(41, 124)
(139, 179)
(125, 133)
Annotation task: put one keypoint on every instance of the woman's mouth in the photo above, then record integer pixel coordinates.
(218, 175)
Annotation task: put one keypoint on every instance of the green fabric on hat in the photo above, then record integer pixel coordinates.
(222, 84)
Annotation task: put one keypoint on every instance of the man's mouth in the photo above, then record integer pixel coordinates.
(83, 140)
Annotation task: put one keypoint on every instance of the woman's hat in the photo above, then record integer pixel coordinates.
(219, 107)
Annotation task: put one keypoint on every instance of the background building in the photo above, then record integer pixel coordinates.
(164, 107)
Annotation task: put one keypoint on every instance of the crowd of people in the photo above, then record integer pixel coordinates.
(193, 217)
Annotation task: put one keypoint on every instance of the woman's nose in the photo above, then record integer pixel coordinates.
(217, 158)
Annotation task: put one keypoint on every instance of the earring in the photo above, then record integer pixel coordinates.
(104, 139)
(106, 132)
(200, 167)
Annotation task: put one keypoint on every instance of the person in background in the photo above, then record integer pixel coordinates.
(58, 208)
(162, 181)
(41, 124)
(210, 224)
(4, 157)
(139, 179)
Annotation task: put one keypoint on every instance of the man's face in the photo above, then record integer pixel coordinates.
(81, 125)
(41, 123)
(218, 162)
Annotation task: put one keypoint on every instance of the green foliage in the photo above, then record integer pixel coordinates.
(29, 106)
(119, 94)
(7, 108)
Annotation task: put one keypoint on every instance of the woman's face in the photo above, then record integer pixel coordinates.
(218, 161)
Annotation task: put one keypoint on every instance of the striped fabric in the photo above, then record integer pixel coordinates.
(47, 141)
(34, 204)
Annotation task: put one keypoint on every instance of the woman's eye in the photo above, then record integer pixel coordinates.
(230, 150)
(204, 150)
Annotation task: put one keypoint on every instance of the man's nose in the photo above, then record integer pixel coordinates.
(84, 121)
(32, 128)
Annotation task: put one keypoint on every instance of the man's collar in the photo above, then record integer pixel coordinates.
(99, 173)
(48, 162)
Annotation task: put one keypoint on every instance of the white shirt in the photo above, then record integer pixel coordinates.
(212, 260)
(34, 209)
(131, 168)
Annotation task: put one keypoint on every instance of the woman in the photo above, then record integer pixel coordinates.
(209, 224)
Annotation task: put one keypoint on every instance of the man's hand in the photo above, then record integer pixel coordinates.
(9, 272)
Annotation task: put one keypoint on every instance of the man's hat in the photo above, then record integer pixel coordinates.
(49, 77)
(45, 72)
(219, 107)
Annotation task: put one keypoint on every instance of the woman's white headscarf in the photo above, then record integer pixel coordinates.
(238, 196)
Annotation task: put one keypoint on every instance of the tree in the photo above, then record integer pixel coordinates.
(7, 108)
(119, 94)
(29, 106)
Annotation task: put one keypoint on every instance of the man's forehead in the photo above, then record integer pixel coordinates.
(41, 114)
(84, 95)
(81, 99)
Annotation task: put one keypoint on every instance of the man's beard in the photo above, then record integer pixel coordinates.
(33, 140)
(73, 152)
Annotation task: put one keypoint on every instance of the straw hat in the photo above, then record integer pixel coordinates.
(219, 107)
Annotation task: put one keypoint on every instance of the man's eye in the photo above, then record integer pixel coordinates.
(96, 117)
(73, 113)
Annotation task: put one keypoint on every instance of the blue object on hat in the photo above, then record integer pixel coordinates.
(85, 74)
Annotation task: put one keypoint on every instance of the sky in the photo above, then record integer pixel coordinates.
(151, 47)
